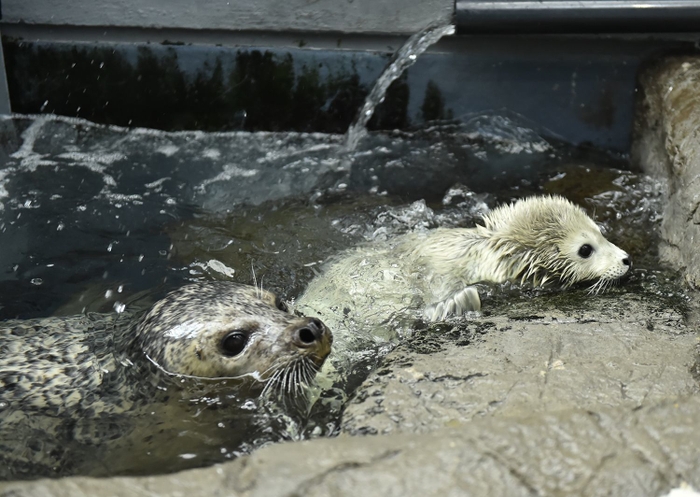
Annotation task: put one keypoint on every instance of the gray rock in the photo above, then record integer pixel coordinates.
(666, 145)
(623, 351)
(620, 452)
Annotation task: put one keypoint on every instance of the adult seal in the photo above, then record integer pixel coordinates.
(79, 379)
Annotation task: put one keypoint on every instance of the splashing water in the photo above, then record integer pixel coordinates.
(404, 58)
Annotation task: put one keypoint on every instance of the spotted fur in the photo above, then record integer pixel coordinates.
(55, 372)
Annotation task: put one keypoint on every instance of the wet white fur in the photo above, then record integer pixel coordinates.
(536, 239)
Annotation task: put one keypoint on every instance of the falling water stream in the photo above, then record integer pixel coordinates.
(404, 58)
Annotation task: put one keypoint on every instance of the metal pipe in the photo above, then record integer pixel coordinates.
(580, 16)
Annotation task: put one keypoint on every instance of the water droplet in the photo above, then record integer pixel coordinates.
(36, 281)
(60, 226)
(119, 307)
(141, 257)
(108, 294)
(120, 289)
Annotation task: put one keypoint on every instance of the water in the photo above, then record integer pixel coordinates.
(100, 218)
(404, 58)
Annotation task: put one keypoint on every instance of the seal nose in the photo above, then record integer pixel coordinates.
(626, 261)
(311, 332)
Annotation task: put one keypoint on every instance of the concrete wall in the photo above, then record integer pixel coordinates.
(348, 16)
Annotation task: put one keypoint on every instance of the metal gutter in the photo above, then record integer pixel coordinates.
(581, 16)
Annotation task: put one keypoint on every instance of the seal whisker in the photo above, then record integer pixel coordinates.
(296, 384)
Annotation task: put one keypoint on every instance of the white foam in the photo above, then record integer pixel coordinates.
(220, 267)
(4, 173)
(212, 153)
(157, 183)
(230, 171)
(168, 150)
(92, 157)
(30, 136)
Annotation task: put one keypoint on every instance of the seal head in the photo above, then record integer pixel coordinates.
(547, 238)
(225, 329)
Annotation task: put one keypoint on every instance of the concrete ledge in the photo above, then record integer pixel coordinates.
(346, 16)
(666, 145)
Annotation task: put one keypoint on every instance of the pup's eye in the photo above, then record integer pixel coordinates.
(234, 343)
(585, 251)
(279, 303)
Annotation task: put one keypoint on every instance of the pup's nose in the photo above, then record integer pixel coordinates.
(626, 261)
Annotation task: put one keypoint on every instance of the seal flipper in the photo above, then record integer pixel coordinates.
(463, 301)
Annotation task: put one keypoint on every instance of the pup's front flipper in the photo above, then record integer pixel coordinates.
(463, 301)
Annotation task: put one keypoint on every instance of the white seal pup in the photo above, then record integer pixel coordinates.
(69, 378)
(542, 239)
(371, 292)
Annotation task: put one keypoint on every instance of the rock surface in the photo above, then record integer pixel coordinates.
(615, 351)
(574, 452)
(666, 145)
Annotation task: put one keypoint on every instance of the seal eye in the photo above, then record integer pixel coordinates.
(234, 343)
(585, 251)
(279, 303)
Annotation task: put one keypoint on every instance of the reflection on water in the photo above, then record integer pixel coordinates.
(99, 218)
